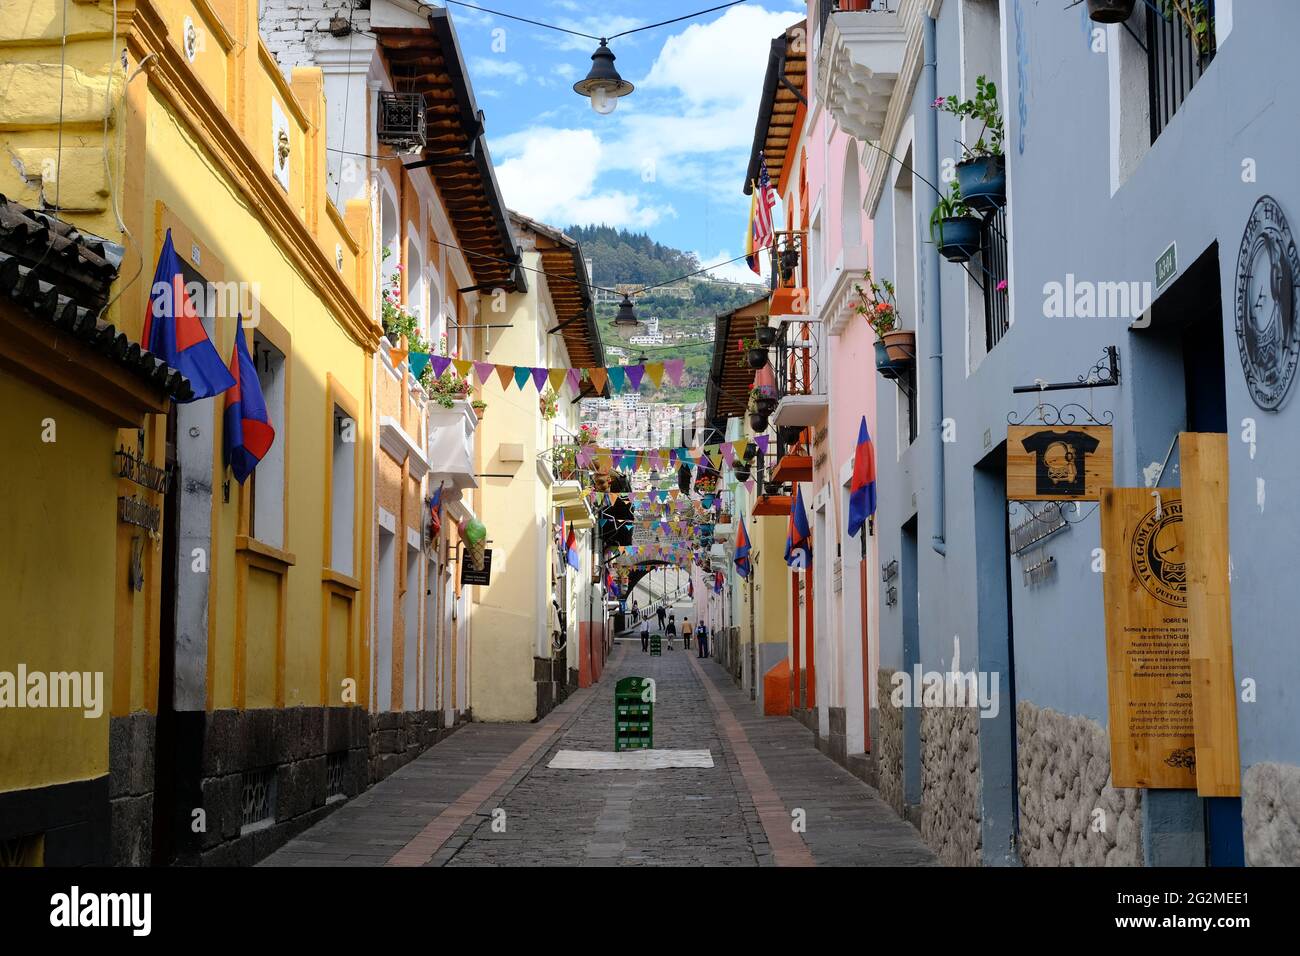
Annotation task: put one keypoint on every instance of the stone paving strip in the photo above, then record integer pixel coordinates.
(487, 796)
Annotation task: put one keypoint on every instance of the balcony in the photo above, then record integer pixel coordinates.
(1180, 43)
(858, 64)
(451, 444)
(800, 384)
(789, 274)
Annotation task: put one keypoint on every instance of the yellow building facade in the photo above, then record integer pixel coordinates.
(230, 635)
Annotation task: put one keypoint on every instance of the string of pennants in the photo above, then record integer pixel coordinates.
(661, 552)
(710, 457)
(619, 377)
(654, 500)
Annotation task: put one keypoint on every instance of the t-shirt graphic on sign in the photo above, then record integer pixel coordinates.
(1058, 461)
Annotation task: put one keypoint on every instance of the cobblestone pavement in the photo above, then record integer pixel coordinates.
(485, 796)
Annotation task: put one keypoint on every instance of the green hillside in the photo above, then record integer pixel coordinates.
(621, 258)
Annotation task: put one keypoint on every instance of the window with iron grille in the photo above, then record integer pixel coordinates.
(1180, 45)
(994, 262)
(401, 120)
(258, 796)
(335, 765)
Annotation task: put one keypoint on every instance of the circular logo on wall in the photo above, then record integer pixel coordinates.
(1158, 554)
(1268, 294)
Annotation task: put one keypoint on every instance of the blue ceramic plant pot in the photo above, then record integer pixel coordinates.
(983, 182)
(959, 238)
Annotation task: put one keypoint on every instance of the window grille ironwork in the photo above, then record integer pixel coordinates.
(1176, 59)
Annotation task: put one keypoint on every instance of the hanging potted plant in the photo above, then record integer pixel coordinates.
(765, 334)
(549, 403)
(479, 407)
(755, 355)
(895, 347)
(952, 225)
(1110, 11)
(762, 398)
(982, 173)
(741, 470)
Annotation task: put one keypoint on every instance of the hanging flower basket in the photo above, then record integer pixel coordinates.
(983, 182)
(758, 421)
(959, 238)
(765, 334)
(1110, 11)
(757, 358)
(741, 471)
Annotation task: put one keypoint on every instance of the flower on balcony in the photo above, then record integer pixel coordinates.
(984, 109)
(446, 390)
(586, 435)
(876, 302)
(1002, 285)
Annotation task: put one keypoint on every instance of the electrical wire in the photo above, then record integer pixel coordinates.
(588, 36)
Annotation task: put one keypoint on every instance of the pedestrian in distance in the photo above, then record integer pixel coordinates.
(645, 637)
(686, 633)
(702, 641)
(662, 611)
(671, 630)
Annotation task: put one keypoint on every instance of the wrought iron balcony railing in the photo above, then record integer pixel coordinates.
(797, 359)
(788, 267)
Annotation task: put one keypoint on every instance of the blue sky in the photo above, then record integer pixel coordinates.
(670, 160)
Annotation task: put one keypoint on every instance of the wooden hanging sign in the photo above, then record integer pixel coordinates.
(1149, 670)
(1058, 462)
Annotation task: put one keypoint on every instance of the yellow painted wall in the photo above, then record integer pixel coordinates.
(58, 508)
(772, 580)
(173, 162)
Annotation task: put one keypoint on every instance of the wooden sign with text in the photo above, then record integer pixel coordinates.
(1058, 462)
(1149, 671)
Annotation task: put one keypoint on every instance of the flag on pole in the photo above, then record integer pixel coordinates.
(743, 565)
(761, 202)
(435, 512)
(248, 432)
(571, 551)
(174, 332)
(862, 489)
(798, 539)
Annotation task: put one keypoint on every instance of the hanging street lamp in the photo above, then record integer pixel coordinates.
(626, 324)
(603, 84)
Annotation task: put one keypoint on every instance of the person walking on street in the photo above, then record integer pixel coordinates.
(636, 610)
(702, 640)
(671, 631)
(662, 611)
(645, 636)
(686, 633)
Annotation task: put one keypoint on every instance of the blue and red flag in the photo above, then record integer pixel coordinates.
(743, 566)
(571, 550)
(435, 512)
(174, 332)
(862, 489)
(248, 432)
(798, 539)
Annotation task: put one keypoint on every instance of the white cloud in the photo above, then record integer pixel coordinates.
(720, 62)
(731, 271)
(487, 66)
(550, 174)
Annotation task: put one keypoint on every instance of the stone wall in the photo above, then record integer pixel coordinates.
(292, 29)
(130, 788)
(397, 738)
(888, 740)
(950, 784)
(1063, 764)
(292, 750)
(1270, 812)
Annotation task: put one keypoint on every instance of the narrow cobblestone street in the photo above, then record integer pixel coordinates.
(439, 809)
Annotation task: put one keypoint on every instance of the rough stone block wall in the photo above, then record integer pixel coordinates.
(950, 784)
(1063, 763)
(397, 738)
(889, 743)
(295, 743)
(292, 29)
(130, 788)
(1270, 812)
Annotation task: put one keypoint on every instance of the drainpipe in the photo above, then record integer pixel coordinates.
(927, 135)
